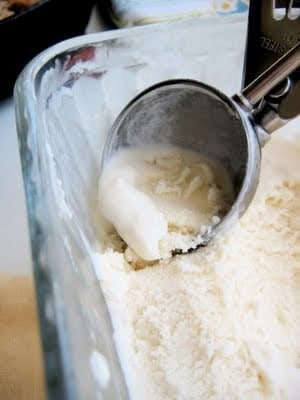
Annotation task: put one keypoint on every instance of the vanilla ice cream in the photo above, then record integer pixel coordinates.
(162, 199)
(222, 322)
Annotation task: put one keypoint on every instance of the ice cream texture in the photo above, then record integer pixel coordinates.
(162, 199)
(222, 322)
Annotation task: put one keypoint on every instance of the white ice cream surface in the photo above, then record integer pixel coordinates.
(161, 199)
(222, 322)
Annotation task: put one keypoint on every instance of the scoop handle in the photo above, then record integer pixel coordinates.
(273, 98)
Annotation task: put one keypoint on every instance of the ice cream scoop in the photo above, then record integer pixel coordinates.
(230, 131)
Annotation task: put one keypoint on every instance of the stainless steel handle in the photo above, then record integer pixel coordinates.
(269, 37)
(267, 81)
(274, 97)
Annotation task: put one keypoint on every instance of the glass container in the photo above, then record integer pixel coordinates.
(66, 100)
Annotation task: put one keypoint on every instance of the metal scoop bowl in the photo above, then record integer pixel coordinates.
(231, 131)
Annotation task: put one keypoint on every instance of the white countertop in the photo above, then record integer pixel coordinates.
(14, 238)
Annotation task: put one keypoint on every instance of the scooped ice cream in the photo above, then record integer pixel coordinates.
(222, 322)
(162, 199)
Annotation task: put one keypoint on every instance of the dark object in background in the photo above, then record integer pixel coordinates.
(27, 33)
(105, 9)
